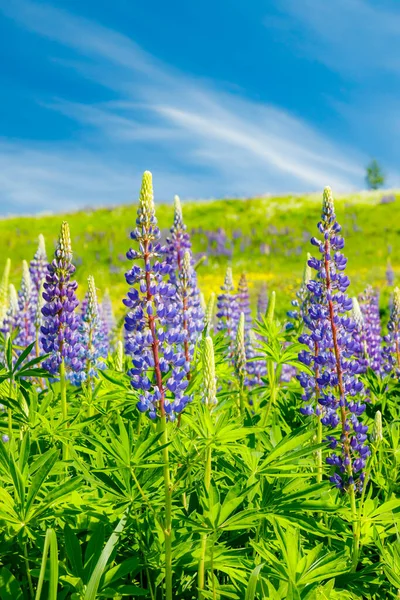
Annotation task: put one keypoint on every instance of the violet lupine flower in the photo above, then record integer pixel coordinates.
(93, 340)
(300, 304)
(38, 266)
(59, 329)
(12, 319)
(107, 314)
(391, 349)
(27, 309)
(389, 273)
(243, 300)
(228, 309)
(333, 391)
(359, 334)
(262, 302)
(151, 337)
(178, 243)
(369, 306)
(190, 315)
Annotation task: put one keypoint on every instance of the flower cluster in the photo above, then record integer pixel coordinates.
(107, 315)
(38, 266)
(369, 306)
(262, 302)
(59, 329)
(160, 368)
(333, 391)
(27, 301)
(12, 319)
(190, 315)
(92, 339)
(228, 309)
(178, 243)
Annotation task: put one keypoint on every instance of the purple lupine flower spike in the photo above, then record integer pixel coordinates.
(369, 306)
(92, 339)
(391, 350)
(12, 319)
(228, 309)
(155, 344)
(59, 329)
(38, 265)
(27, 309)
(190, 316)
(107, 314)
(183, 276)
(359, 335)
(262, 302)
(389, 273)
(334, 392)
(177, 243)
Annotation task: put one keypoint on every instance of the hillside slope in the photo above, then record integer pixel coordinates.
(266, 237)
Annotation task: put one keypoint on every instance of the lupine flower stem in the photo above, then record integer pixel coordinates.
(168, 509)
(210, 391)
(64, 406)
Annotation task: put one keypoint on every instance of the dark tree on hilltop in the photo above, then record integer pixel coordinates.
(375, 177)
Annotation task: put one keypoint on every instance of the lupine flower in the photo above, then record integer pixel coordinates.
(361, 348)
(38, 265)
(107, 313)
(391, 350)
(332, 392)
(208, 371)
(12, 319)
(38, 319)
(301, 303)
(227, 309)
(378, 432)
(59, 329)
(152, 340)
(190, 316)
(389, 273)
(4, 291)
(240, 350)
(27, 309)
(369, 305)
(262, 302)
(256, 369)
(92, 339)
(209, 313)
(178, 243)
(243, 300)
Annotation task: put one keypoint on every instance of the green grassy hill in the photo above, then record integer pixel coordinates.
(268, 238)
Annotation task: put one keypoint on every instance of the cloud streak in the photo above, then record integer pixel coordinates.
(223, 144)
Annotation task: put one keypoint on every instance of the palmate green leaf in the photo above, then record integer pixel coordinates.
(94, 581)
(23, 356)
(10, 589)
(40, 477)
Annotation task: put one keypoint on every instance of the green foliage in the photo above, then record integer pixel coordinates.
(247, 509)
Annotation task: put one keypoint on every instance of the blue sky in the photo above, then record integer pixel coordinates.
(216, 98)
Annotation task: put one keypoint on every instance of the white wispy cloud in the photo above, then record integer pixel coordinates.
(358, 37)
(222, 144)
